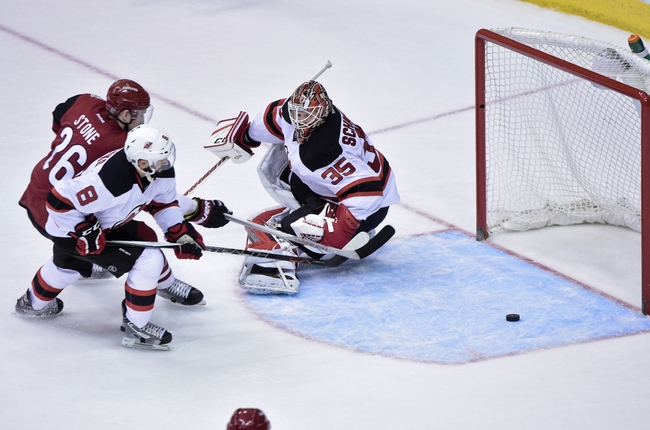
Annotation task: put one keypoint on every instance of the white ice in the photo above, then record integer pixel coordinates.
(394, 64)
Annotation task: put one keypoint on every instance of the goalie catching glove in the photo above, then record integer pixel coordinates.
(192, 245)
(89, 235)
(209, 213)
(333, 226)
(231, 139)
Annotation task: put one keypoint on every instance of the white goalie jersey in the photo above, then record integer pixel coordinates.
(338, 161)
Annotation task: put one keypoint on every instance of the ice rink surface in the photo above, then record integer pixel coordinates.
(413, 338)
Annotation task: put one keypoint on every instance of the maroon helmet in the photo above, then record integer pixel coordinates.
(126, 94)
(248, 419)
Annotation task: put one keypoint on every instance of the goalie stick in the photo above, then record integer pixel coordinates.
(359, 247)
(233, 251)
(207, 174)
(321, 71)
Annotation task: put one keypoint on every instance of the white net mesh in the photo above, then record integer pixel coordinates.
(559, 148)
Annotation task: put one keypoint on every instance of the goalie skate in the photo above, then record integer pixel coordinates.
(257, 279)
(150, 336)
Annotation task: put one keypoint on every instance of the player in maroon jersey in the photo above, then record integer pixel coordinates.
(87, 127)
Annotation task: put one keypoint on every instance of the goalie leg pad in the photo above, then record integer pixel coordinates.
(268, 276)
(265, 275)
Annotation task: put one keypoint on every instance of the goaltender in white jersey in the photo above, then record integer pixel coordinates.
(322, 168)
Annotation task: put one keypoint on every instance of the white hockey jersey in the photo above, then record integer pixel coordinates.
(112, 190)
(338, 161)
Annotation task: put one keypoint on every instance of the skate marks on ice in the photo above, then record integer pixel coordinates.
(443, 298)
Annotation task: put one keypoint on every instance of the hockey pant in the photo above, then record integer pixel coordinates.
(147, 270)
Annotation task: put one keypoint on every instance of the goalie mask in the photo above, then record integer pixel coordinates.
(248, 419)
(150, 150)
(125, 94)
(309, 107)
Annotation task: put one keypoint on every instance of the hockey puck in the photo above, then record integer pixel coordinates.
(512, 317)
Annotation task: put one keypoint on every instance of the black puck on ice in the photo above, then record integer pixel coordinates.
(512, 317)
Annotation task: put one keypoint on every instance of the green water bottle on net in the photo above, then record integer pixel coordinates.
(636, 45)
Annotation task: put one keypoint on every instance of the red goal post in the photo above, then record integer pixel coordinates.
(562, 135)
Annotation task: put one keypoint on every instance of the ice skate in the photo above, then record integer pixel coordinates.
(98, 272)
(150, 336)
(182, 293)
(24, 306)
(258, 279)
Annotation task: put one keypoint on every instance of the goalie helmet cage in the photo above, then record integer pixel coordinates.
(562, 135)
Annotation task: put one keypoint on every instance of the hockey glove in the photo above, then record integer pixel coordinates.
(345, 226)
(192, 245)
(89, 235)
(231, 139)
(334, 226)
(312, 226)
(209, 213)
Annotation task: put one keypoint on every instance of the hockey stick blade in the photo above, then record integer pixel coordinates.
(377, 241)
(349, 251)
(233, 251)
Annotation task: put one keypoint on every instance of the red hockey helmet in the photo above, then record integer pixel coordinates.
(309, 107)
(127, 94)
(248, 419)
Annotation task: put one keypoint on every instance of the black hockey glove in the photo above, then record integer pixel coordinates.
(192, 245)
(209, 213)
(89, 235)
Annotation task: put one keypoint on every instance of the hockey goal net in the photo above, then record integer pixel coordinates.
(562, 131)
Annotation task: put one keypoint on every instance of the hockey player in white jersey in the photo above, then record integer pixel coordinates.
(87, 127)
(321, 167)
(99, 205)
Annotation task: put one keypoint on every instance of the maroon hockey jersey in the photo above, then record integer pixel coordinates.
(84, 133)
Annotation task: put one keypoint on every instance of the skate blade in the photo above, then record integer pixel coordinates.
(131, 343)
(266, 290)
(201, 303)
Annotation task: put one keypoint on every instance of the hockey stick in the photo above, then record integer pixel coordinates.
(347, 253)
(232, 251)
(321, 71)
(359, 247)
(207, 174)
